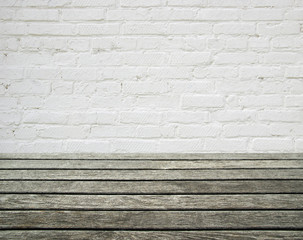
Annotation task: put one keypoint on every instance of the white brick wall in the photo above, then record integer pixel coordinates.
(151, 76)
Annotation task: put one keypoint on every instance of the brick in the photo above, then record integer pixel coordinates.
(158, 101)
(120, 76)
(137, 146)
(187, 3)
(236, 43)
(30, 87)
(66, 102)
(98, 29)
(236, 58)
(155, 132)
(234, 28)
(190, 59)
(247, 130)
(140, 117)
(83, 14)
(262, 14)
(299, 145)
(276, 144)
(44, 146)
(52, 29)
(294, 101)
(79, 74)
(11, 73)
(93, 3)
(112, 131)
(283, 57)
(294, 72)
(10, 117)
(259, 43)
(64, 132)
(43, 73)
(37, 15)
(45, 117)
(274, 29)
(111, 43)
(229, 3)
(261, 101)
(172, 14)
(144, 59)
(280, 116)
(141, 3)
(233, 116)
(170, 72)
(296, 14)
(286, 129)
(225, 145)
(202, 101)
(62, 87)
(7, 14)
(288, 42)
(193, 28)
(197, 131)
(193, 87)
(185, 117)
(25, 133)
(128, 14)
(215, 72)
(86, 146)
(31, 102)
(260, 72)
(9, 146)
(218, 14)
(180, 145)
(145, 87)
(145, 28)
(7, 103)
(108, 88)
(13, 28)
(271, 3)
(79, 45)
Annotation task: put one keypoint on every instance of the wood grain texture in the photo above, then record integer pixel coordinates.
(228, 220)
(151, 187)
(103, 202)
(151, 235)
(153, 174)
(169, 156)
(153, 199)
(149, 164)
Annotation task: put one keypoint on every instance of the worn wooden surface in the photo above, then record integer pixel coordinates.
(204, 197)
(153, 187)
(160, 174)
(152, 235)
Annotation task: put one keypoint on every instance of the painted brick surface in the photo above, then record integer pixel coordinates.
(151, 76)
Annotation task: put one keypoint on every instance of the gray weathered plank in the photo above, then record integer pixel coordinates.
(227, 220)
(152, 156)
(153, 164)
(151, 235)
(102, 202)
(153, 174)
(151, 187)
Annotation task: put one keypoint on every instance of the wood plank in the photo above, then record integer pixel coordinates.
(151, 235)
(151, 187)
(152, 174)
(148, 164)
(225, 220)
(158, 156)
(135, 202)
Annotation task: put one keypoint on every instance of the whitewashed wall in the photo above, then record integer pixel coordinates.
(151, 76)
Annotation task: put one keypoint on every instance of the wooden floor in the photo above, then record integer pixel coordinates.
(194, 198)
